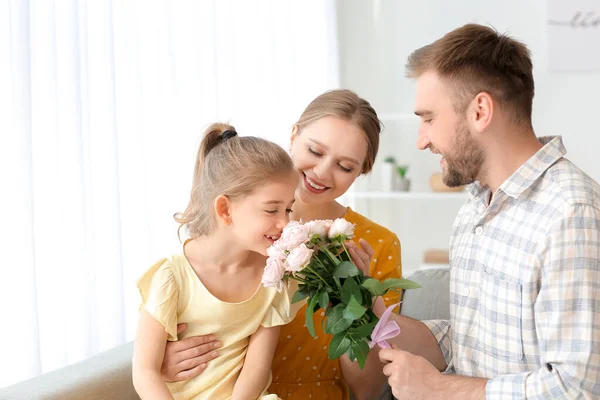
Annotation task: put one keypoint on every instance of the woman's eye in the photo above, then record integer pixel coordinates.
(314, 152)
(345, 169)
(271, 211)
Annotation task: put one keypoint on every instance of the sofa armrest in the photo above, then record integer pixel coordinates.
(104, 376)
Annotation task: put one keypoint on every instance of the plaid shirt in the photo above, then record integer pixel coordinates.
(525, 283)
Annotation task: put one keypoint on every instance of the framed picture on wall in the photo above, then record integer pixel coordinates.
(573, 35)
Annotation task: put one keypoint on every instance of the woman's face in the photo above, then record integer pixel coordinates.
(329, 155)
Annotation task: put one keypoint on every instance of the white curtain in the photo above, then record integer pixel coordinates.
(101, 108)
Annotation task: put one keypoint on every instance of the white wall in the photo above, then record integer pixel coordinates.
(376, 38)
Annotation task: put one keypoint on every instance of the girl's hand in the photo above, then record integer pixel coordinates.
(361, 255)
(187, 358)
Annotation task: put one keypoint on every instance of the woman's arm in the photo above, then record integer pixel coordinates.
(257, 365)
(148, 353)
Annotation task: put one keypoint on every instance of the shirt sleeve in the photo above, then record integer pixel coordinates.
(567, 315)
(387, 263)
(281, 311)
(440, 328)
(159, 291)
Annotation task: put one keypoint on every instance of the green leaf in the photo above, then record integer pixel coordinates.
(345, 269)
(362, 331)
(350, 288)
(337, 282)
(350, 353)
(310, 325)
(395, 283)
(374, 286)
(360, 348)
(323, 299)
(336, 322)
(300, 294)
(339, 345)
(353, 310)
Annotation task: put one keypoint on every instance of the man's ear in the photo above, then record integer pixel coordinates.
(223, 209)
(482, 111)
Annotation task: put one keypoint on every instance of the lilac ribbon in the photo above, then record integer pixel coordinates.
(384, 330)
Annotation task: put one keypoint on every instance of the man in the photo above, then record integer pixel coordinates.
(525, 248)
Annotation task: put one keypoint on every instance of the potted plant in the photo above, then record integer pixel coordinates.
(403, 183)
(388, 174)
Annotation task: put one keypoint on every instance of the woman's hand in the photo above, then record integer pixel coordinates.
(187, 358)
(361, 255)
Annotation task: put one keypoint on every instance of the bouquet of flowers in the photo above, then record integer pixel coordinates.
(315, 254)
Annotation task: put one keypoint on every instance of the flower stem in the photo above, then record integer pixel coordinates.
(331, 256)
(335, 280)
(346, 251)
(320, 277)
(298, 279)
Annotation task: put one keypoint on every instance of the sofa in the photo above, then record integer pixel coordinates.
(108, 375)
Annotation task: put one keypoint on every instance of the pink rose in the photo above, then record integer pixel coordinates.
(274, 251)
(341, 227)
(273, 274)
(293, 235)
(319, 227)
(298, 258)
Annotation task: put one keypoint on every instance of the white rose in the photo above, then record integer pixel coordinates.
(298, 259)
(341, 227)
(273, 274)
(319, 227)
(274, 251)
(293, 235)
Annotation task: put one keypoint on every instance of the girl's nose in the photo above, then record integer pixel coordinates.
(282, 222)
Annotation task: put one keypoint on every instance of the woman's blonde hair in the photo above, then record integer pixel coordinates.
(229, 165)
(348, 106)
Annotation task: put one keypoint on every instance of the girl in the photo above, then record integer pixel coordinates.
(335, 140)
(242, 194)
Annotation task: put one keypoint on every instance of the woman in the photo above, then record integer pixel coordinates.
(335, 140)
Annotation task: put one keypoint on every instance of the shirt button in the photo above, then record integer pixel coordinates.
(466, 291)
(479, 231)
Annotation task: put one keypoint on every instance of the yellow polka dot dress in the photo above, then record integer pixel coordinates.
(301, 368)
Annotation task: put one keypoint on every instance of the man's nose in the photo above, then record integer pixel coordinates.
(423, 141)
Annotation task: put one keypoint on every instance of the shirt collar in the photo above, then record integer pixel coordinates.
(522, 179)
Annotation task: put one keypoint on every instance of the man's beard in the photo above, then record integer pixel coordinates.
(464, 167)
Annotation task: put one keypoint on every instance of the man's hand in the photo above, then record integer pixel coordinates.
(413, 377)
(410, 376)
(187, 357)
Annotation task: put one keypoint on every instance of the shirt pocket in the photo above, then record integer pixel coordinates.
(500, 317)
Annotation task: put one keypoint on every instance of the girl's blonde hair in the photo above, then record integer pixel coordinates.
(232, 166)
(348, 106)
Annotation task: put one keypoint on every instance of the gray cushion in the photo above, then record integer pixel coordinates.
(432, 300)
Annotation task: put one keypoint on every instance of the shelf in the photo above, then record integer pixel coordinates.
(407, 195)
